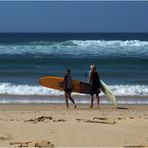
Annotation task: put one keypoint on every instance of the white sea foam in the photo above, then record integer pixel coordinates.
(13, 89)
(130, 90)
(27, 90)
(79, 47)
(108, 44)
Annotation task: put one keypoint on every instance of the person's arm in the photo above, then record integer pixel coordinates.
(65, 81)
(98, 79)
(71, 82)
(89, 77)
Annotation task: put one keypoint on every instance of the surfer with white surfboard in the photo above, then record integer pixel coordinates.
(94, 81)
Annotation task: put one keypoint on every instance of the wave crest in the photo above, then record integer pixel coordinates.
(13, 89)
(79, 47)
(27, 90)
(110, 44)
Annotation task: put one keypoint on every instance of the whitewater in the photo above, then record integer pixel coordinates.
(121, 60)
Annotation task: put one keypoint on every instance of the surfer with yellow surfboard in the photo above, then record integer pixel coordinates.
(78, 87)
(68, 88)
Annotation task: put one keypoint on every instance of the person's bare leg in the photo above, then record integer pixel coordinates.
(66, 100)
(98, 100)
(71, 99)
(92, 100)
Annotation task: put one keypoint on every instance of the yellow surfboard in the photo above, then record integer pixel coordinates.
(78, 86)
(57, 83)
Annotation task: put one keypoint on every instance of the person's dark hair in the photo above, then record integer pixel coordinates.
(95, 67)
(68, 70)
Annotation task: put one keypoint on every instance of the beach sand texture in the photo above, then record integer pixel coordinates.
(52, 125)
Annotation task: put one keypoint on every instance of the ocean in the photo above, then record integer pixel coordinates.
(121, 60)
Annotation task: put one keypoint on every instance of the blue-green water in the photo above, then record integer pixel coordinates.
(121, 59)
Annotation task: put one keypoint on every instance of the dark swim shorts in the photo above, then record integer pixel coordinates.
(94, 90)
(68, 89)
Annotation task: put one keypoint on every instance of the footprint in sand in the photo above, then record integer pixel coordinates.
(4, 137)
(135, 146)
(37, 143)
(44, 119)
(119, 118)
(102, 120)
(131, 117)
(59, 120)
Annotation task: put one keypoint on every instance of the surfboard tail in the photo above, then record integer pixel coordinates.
(105, 89)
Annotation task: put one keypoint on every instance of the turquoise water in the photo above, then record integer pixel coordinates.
(121, 59)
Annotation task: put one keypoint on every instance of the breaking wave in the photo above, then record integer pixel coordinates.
(78, 47)
(28, 90)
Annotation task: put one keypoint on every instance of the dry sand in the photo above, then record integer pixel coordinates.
(52, 125)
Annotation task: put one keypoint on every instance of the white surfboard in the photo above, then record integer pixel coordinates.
(105, 89)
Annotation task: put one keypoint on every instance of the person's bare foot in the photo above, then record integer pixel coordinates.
(75, 106)
(91, 106)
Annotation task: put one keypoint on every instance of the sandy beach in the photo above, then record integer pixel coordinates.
(52, 48)
(52, 125)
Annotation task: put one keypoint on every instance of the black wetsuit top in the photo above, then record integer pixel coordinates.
(94, 83)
